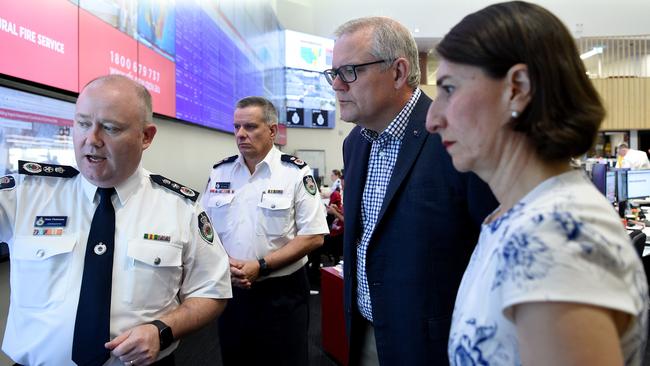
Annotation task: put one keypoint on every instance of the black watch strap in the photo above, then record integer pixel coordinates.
(164, 333)
(264, 267)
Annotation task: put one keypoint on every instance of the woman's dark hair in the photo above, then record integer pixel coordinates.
(337, 173)
(565, 111)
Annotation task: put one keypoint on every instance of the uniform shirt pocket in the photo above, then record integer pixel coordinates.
(41, 269)
(273, 215)
(154, 273)
(218, 206)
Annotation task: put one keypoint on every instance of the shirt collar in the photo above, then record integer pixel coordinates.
(269, 160)
(125, 190)
(397, 127)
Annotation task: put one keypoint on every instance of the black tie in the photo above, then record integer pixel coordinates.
(92, 326)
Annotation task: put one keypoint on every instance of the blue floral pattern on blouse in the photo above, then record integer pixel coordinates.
(559, 237)
(523, 257)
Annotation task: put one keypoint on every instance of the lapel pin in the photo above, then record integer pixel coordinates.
(100, 248)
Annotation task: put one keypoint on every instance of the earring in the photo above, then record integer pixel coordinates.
(514, 114)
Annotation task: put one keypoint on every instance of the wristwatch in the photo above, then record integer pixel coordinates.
(164, 333)
(264, 268)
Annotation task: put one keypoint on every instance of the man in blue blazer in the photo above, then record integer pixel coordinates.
(411, 220)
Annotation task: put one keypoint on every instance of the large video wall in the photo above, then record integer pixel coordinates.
(197, 58)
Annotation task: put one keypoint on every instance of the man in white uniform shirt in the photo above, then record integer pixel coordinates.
(169, 273)
(267, 211)
(630, 158)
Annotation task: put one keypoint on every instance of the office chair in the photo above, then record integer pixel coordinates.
(638, 239)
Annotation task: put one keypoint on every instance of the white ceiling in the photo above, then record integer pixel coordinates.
(429, 20)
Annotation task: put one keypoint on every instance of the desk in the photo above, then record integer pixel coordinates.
(335, 342)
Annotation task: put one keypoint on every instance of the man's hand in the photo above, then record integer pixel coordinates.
(243, 273)
(136, 346)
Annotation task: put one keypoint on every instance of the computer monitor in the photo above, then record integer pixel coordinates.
(621, 184)
(610, 186)
(638, 183)
(598, 172)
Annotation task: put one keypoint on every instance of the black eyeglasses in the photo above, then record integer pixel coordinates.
(347, 73)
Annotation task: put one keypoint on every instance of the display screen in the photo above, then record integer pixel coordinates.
(310, 100)
(610, 186)
(39, 42)
(308, 52)
(34, 127)
(638, 183)
(621, 184)
(196, 58)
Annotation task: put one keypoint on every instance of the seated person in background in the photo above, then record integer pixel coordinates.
(630, 158)
(333, 245)
(337, 183)
(554, 279)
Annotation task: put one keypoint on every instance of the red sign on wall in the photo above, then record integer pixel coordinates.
(103, 50)
(38, 41)
(281, 137)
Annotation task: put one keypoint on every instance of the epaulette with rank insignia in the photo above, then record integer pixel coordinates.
(188, 193)
(46, 170)
(229, 159)
(7, 182)
(293, 160)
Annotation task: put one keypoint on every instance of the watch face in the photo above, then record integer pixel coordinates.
(166, 337)
(164, 333)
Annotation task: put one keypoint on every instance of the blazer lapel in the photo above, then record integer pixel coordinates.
(355, 156)
(355, 181)
(414, 138)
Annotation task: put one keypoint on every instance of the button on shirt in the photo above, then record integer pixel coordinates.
(383, 155)
(261, 212)
(150, 277)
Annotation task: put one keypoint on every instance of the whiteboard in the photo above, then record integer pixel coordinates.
(315, 159)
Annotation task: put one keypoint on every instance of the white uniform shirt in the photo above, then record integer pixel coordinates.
(562, 242)
(336, 185)
(46, 270)
(635, 159)
(260, 213)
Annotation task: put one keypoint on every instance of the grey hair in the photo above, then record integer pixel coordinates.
(140, 91)
(623, 145)
(269, 113)
(390, 40)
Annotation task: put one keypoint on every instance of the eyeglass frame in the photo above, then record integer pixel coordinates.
(332, 74)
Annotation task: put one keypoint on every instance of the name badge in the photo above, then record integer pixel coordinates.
(51, 221)
(222, 185)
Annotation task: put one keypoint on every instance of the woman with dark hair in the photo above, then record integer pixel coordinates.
(554, 279)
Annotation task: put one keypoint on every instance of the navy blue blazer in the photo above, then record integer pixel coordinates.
(426, 231)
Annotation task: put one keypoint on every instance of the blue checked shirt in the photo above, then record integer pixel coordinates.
(383, 155)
